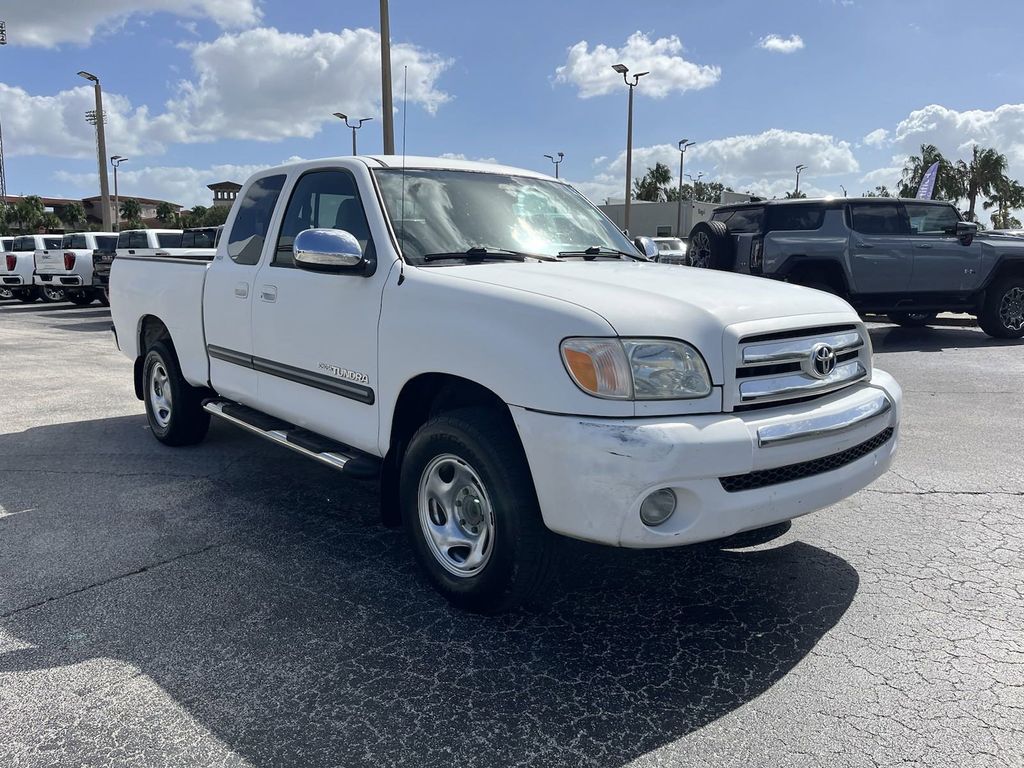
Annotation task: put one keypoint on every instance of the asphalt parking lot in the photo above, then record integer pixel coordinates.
(233, 604)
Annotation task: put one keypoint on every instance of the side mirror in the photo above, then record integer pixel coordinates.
(965, 232)
(327, 250)
(646, 246)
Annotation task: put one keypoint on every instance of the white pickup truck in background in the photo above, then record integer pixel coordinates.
(67, 271)
(491, 347)
(17, 270)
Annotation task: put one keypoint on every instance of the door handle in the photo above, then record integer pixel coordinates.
(242, 290)
(268, 293)
(865, 246)
(131, 251)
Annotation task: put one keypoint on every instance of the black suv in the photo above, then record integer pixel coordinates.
(910, 259)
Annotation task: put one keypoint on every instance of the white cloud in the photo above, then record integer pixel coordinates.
(461, 156)
(877, 137)
(780, 44)
(178, 184)
(954, 132)
(260, 84)
(887, 176)
(76, 21)
(591, 70)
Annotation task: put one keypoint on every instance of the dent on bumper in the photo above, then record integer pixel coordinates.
(592, 474)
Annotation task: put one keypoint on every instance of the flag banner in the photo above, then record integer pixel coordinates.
(927, 188)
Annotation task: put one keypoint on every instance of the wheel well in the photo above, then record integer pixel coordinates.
(151, 330)
(422, 398)
(823, 272)
(1013, 268)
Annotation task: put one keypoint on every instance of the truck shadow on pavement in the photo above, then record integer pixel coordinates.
(938, 339)
(258, 591)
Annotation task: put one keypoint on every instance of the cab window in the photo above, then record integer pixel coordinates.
(252, 222)
(322, 200)
(878, 219)
(790, 217)
(138, 239)
(76, 242)
(931, 219)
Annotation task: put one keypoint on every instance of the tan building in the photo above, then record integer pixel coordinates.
(224, 193)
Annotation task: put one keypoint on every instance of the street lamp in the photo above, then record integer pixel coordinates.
(3, 173)
(356, 127)
(561, 157)
(101, 149)
(844, 189)
(385, 80)
(623, 70)
(695, 182)
(684, 144)
(799, 168)
(116, 160)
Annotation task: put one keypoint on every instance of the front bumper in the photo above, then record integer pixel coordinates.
(591, 475)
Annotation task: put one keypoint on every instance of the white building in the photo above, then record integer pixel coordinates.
(663, 219)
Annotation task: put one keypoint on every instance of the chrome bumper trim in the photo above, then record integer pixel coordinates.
(826, 424)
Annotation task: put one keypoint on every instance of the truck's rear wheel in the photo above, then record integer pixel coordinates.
(80, 298)
(54, 295)
(27, 295)
(1002, 316)
(471, 513)
(6, 293)
(103, 294)
(711, 246)
(174, 407)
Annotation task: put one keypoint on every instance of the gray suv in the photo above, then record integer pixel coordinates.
(910, 259)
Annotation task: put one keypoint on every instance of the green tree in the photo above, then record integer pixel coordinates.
(131, 211)
(702, 191)
(654, 184)
(880, 191)
(166, 214)
(215, 216)
(947, 183)
(195, 217)
(29, 213)
(73, 215)
(794, 195)
(50, 222)
(985, 171)
(1007, 196)
(5, 219)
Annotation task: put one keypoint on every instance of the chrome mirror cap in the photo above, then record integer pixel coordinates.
(327, 249)
(646, 246)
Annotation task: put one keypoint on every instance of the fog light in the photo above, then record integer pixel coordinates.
(658, 507)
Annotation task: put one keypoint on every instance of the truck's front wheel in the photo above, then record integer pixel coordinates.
(1002, 316)
(174, 407)
(471, 513)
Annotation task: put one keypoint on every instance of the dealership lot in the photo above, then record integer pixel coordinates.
(233, 604)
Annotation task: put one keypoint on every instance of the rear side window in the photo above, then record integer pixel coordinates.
(51, 242)
(122, 240)
(169, 239)
(25, 244)
(75, 242)
(137, 239)
(796, 216)
(252, 222)
(199, 238)
(878, 219)
(322, 200)
(931, 219)
(6, 243)
(108, 243)
(741, 220)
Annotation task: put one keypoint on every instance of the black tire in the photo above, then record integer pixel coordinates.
(53, 295)
(913, 319)
(1002, 315)
(520, 558)
(6, 293)
(711, 246)
(27, 295)
(178, 419)
(103, 294)
(80, 298)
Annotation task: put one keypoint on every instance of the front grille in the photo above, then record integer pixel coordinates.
(772, 368)
(765, 477)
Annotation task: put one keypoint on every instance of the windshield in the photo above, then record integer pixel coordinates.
(453, 211)
(670, 245)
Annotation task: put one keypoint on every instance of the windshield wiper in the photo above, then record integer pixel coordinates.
(480, 253)
(594, 251)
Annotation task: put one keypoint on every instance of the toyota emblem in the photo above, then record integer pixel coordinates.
(823, 361)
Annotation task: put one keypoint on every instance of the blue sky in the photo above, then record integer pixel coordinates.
(201, 90)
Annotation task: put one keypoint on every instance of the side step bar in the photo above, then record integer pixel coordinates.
(350, 461)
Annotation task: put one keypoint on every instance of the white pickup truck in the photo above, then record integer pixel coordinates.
(17, 271)
(485, 342)
(66, 272)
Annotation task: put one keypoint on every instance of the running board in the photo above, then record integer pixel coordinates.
(350, 461)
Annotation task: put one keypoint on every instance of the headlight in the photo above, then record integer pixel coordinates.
(636, 369)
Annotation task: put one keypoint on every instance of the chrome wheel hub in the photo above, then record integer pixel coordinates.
(456, 515)
(53, 294)
(1011, 309)
(700, 250)
(160, 394)
(6, 293)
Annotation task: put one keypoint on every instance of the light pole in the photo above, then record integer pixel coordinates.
(796, 192)
(844, 189)
(385, 79)
(684, 144)
(695, 182)
(3, 173)
(356, 127)
(623, 70)
(101, 150)
(561, 157)
(115, 161)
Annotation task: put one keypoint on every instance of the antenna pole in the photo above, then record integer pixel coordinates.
(385, 79)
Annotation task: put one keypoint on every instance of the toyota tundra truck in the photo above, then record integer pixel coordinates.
(486, 345)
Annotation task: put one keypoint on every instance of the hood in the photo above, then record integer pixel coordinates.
(644, 299)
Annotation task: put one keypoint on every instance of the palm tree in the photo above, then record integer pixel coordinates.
(654, 184)
(29, 212)
(50, 222)
(880, 191)
(165, 213)
(981, 176)
(1007, 196)
(794, 195)
(73, 215)
(195, 218)
(947, 186)
(132, 212)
